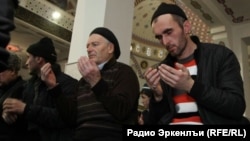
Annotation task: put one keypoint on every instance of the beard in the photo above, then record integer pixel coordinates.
(33, 72)
(180, 48)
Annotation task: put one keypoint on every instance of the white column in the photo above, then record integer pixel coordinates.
(117, 15)
(219, 35)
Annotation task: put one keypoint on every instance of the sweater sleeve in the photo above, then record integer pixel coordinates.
(119, 96)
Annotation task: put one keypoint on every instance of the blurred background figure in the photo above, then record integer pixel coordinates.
(11, 85)
(6, 25)
(146, 94)
(7, 20)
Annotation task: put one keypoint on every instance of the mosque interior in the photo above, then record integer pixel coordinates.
(212, 22)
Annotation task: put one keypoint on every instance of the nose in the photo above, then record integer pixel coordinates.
(27, 63)
(89, 48)
(165, 40)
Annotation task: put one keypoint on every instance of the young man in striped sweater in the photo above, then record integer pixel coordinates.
(197, 83)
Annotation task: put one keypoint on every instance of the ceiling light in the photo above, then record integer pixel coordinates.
(56, 15)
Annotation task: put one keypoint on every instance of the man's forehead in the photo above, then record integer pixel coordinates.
(96, 38)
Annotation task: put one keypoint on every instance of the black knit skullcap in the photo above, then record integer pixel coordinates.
(146, 90)
(165, 8)
(4, 55)
(44, 48)
(109, 35)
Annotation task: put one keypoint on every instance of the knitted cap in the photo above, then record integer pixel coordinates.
(109, 35)
(165, 8)
(146, 90)
(44, 48)
(14, 62)
(4, 55)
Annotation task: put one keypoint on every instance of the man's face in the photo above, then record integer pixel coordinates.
(145, 100)
(6, 77)
(99, 48)
(170, 34)
(32, 64)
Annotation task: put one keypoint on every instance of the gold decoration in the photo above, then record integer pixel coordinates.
(144, 64)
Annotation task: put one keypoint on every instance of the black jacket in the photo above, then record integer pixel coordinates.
(6, 26)
(17, 130)
(101, 111)
(218, 88)
(44, 122)
(6, 20)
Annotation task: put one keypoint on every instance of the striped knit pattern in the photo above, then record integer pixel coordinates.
(91, 113)
(186, 107)
(103, 109)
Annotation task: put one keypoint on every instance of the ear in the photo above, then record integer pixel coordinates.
(111, 48)
(187, 27)
(39, 59)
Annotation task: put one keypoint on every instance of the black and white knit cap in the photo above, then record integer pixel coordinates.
(146, 90)
(165, 8)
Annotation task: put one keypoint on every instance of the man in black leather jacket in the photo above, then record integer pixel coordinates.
(197, 83)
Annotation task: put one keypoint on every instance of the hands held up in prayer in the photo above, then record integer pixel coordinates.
(89, 70)
(179, 78)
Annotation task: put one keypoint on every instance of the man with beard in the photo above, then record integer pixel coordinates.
(38, 107)
(197, 83)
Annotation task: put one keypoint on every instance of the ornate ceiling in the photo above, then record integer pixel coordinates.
(33, 20)
(144, 40)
